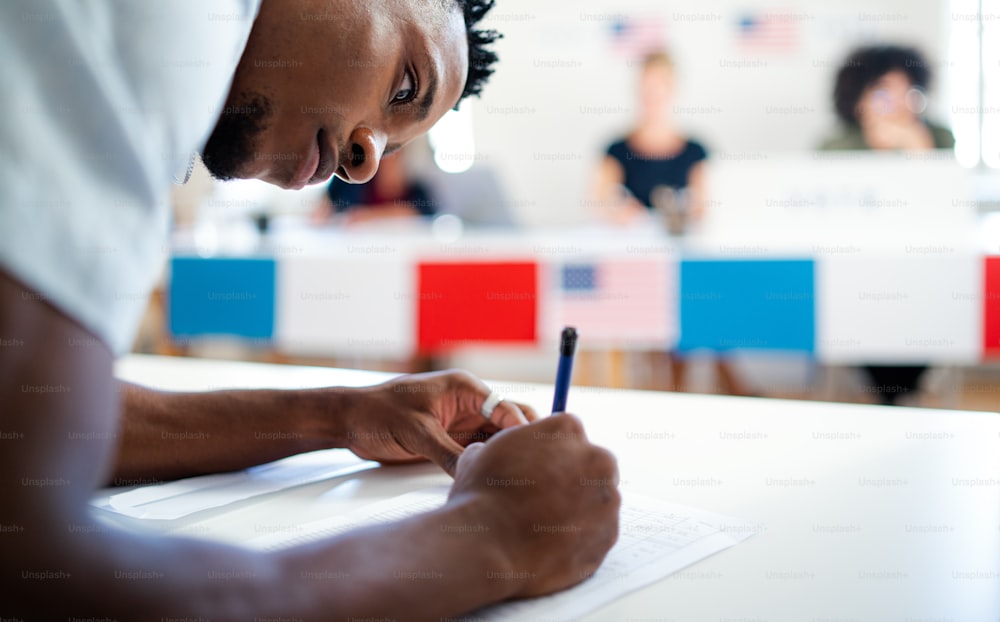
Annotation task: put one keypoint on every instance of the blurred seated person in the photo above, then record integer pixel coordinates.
(655, 166)
(393, 193)
(880, 97)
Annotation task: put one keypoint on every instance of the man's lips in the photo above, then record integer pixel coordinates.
(306, 170)
(318, 164)
(327, 159)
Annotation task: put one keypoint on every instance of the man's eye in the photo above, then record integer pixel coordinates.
(407, 90)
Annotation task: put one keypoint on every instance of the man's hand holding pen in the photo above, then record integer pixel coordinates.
(551, 498)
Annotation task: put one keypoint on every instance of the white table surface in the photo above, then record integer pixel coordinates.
(867, 512)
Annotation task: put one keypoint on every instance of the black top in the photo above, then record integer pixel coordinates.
(643, 173)
(345, 196)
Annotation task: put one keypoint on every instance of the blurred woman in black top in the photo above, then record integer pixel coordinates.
(654, 156)
(657, 167)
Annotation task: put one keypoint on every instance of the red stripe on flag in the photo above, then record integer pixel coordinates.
(476, 302)
(991, 308)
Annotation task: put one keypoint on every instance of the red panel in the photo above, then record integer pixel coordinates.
(476, 302)
(991, 308)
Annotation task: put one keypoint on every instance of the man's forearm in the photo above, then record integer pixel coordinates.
(169, 435)
(435, 565)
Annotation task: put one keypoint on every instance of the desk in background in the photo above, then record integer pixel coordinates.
(868, 513)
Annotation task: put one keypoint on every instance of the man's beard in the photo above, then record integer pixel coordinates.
(234, 140)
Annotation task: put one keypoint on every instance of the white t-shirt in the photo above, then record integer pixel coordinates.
(103, 104)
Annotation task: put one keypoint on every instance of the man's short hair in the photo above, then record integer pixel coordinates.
(865, 66)
(481, 58)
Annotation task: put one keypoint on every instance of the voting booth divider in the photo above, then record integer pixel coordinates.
(838, 309)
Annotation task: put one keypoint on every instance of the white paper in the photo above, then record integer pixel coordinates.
(656, 539)
(183, 497)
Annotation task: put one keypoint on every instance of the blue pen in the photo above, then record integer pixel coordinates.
(567, 347)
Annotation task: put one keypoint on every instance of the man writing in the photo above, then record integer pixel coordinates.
(105, 102)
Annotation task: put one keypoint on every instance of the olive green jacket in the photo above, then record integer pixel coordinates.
(849, 137)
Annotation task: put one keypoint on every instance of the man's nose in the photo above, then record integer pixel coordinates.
(364, 151)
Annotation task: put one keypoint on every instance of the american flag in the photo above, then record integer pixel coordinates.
(634, 37)
(617, 300)
(768, 32)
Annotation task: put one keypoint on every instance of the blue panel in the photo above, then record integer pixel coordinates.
(222, 297)
(757, 305)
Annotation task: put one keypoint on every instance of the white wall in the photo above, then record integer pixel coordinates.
(561, 94)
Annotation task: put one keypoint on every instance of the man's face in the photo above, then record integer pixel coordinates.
(330, 86)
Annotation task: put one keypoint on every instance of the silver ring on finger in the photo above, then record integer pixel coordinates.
(492, 400)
